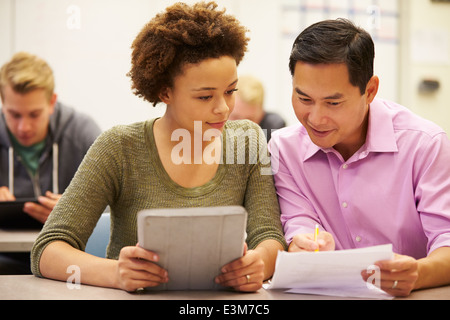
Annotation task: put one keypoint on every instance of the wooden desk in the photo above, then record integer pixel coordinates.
(17, 240)
(29, 287)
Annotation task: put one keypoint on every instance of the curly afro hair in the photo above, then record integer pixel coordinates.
(182, 35)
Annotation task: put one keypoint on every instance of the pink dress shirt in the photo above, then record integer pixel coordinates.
(394, 189)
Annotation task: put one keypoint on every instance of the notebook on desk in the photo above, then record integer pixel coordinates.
(12, 215)
(193, 243)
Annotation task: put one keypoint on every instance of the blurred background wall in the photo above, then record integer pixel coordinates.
(87, 43)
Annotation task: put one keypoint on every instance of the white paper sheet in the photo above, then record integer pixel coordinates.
(336, 273)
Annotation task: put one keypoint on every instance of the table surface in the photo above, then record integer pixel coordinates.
(29, 287)
(25, 287)
(17, 240)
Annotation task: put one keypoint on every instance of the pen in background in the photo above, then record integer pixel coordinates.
(316, 235)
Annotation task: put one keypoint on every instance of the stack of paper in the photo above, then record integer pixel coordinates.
(336, 273)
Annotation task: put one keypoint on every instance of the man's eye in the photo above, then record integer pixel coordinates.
(304, 100)
(15, 115)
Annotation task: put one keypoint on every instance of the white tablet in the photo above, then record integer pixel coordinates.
(193, 243)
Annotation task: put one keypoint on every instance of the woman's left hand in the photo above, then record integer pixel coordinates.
(244, 274)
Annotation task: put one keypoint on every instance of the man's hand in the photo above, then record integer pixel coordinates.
(398, 276)
(305, 242)
(40, 211)
(6, 195)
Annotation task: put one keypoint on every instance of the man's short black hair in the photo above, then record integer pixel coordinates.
(336, 41)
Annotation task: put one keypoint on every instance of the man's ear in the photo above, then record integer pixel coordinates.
(372, 88)
(52, 102)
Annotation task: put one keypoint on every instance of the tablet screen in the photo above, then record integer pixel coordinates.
(193, 243)
(13, 216)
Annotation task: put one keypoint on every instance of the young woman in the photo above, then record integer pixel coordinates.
(186, 57)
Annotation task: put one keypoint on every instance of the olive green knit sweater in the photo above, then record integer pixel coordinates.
(123, 170)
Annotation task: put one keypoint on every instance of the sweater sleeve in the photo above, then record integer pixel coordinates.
(95, 185)
(261, 201)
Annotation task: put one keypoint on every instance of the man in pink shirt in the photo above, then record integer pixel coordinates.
(368, 171)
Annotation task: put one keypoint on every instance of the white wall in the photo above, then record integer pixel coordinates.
(91, 55)
(5, 30)
(426, 55)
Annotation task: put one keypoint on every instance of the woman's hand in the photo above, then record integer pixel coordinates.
(137, 269)
(244, 274)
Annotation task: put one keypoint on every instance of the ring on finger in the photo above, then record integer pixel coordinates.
(395, 284)
(248, 278)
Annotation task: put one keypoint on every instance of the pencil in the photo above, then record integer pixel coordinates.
(316, 235)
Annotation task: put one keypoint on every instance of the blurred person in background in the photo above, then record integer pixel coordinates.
(250, 105)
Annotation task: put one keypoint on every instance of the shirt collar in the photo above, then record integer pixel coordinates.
(380, 133)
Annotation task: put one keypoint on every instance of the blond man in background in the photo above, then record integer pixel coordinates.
(250, 105)
(42, 141)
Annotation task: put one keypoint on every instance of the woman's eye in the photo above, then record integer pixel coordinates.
(229, 92)
(205, 98)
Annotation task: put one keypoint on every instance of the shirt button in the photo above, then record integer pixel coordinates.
(358, 238)
(344, 204)
(345, 166)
